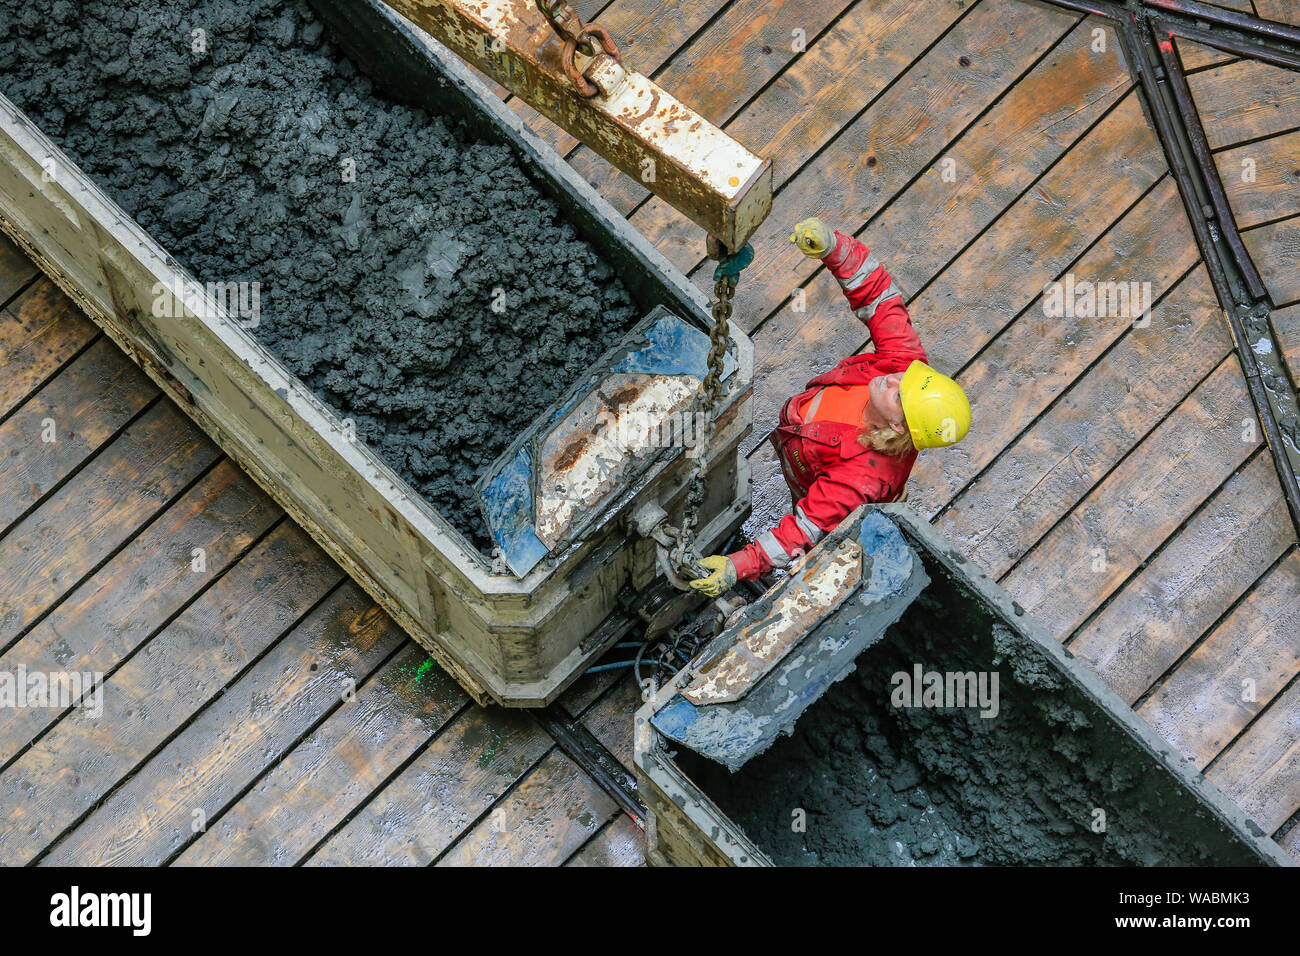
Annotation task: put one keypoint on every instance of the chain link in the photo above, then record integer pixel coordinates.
(684, 557)
(591, 38)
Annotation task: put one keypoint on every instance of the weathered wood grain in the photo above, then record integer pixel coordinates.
(1245, 100)
(119, 606)
(1197, 56)
(1094, 549)
(335, 769)
(461, 775)
(97, 511)
(1262, 179)
(39, 332)
(1261, 771)
(821, 93)
(1033, 479)
(1275, 250)
(159, 689)
(310, 671)
(1235, 672)
(1208, 565)
(1024, 369)
(1286, 326)
(66, 422)
(556, 808)
(903, 133)
(1010, 146)
(1281, 11)
(621, 843)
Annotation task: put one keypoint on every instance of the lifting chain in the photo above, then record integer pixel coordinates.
(684, 558)
(590, 37)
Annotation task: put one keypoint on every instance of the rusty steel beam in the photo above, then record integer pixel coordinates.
(647, 133)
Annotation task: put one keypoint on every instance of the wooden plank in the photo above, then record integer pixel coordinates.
(1245, 100)
(1235, 672)
(902, 134)
(39, 332)
(1139, 505)
(1021, 137)
(1286, 326)
(1208, 565)
(1037, 239)
(1291, 842)
(717, 72)
(1241, 6)
(174, 677)
(312, 670)
(66, 422)
(1196, 56)
(16, 270)
(314, 787)
(1275, 250)
(1046, 470)
(556, 808)
(621, 843)
(1023, 370)
(820, 94)
(1261, 771)
(1280, 11)
(1262, 179)
(616, 735)
(109, 616)
(97, 511)
(423, 810)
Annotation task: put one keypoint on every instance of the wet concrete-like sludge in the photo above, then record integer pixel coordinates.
(415, 279)
(1032, 771)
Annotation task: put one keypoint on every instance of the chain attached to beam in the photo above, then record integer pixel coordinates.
(594, 41)
(685, 560)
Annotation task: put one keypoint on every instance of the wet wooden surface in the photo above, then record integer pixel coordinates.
(259, 709)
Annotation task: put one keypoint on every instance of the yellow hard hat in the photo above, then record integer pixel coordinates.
(936, 409)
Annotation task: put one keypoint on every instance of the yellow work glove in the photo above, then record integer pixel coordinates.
(722, 577)
(814, 238)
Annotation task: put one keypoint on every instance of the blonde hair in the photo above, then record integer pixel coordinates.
(886, 440)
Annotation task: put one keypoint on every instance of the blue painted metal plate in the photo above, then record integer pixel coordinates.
(581, 455)
(735, 731)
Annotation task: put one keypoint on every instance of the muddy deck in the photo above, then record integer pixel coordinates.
(983, 150)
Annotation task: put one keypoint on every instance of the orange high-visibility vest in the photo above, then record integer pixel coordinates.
(837, 403)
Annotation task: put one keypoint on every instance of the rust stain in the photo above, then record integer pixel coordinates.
(571, 452)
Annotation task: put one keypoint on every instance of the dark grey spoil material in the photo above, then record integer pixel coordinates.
(378, 294)
(893, 786)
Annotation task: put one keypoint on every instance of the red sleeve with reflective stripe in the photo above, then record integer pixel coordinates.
(830, 499)
(875, 298)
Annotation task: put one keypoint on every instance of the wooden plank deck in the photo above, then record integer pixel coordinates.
(259, 709)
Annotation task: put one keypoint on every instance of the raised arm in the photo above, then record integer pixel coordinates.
(874, 298)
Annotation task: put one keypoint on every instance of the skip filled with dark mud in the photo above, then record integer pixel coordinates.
(415, 279)
(991, 757)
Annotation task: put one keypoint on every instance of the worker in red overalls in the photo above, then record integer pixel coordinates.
(852, 437)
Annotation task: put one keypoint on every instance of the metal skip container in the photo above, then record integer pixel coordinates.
(799, 735)
(515, 631)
